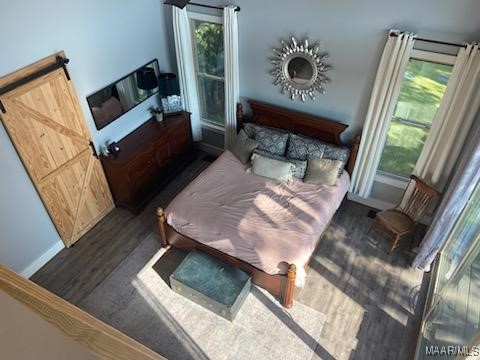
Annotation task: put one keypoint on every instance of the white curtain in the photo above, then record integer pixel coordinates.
(232, 77)
(186, 68)
(453, 120)
(382, 104)
(126, 93)
(457, 196)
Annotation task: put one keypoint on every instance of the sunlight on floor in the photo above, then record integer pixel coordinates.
(262, 328)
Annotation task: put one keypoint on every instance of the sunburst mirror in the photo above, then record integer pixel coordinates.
(300, 70)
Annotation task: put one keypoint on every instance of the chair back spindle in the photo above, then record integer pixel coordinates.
(417, 199)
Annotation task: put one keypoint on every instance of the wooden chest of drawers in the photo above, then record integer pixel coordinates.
(149, 157)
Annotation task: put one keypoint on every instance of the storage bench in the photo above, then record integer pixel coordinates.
(211, 283)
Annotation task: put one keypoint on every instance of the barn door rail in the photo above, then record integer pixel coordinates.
(60, 62)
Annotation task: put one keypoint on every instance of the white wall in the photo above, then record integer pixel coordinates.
(104, 40)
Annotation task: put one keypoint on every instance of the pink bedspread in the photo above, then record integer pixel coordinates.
(261, 221)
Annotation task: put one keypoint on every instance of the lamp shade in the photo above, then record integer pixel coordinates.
(168, 84)
(146, 78)
(178, 3)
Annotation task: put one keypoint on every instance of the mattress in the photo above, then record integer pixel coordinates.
(263, 222)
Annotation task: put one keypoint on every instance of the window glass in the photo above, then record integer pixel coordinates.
(421, 92)
(453, 318)
(212, 99)
(209, 45)
(464, 233)
(209, 56)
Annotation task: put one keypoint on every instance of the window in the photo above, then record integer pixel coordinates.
(452, 316)
(421, 92)
(208, 52)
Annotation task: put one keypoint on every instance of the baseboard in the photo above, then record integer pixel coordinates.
(209, 149)
(382, 205)
(371, 202)
(42, 260)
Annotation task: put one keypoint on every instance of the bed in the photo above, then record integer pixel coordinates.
(267, 228)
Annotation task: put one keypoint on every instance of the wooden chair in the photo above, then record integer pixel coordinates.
(401, 220)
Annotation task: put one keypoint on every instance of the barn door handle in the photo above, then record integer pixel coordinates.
(94, 151)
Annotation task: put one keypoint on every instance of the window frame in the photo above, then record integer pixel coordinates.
(216, 19)
(396, 180)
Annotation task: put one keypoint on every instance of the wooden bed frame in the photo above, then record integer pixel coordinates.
(281, 286)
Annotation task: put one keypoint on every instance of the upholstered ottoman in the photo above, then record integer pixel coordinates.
(211, 283)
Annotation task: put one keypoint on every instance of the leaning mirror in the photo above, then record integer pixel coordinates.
(300, 70)
(111, 102)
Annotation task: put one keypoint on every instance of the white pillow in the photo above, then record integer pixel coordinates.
(272, 168)
(322, 171)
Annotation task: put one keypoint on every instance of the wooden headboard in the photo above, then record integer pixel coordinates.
(299, 123)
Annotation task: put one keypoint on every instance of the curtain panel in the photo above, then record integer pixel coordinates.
(383, 99)
(186, 68)
(126, 93)
(459, 191)
(453, 120)
(232, 76)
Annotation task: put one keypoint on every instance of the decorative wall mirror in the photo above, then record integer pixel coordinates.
(111, 102)
(300, 70)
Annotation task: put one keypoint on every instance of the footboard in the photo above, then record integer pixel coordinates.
(282, 286)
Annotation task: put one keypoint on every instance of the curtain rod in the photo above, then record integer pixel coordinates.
(435, 41)
(211, 6)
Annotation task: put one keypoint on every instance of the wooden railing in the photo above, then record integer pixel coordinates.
(98, 338)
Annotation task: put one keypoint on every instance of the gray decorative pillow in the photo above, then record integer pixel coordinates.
(334, 152)
(272, 168)
(271, 140)
(300, 165)
(243, 147)
(301, 147)
(322, 171)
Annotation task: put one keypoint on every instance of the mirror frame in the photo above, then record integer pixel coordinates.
(317, 62)
(155, 61)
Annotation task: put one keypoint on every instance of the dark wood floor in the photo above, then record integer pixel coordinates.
(373, 302)
(73, 273)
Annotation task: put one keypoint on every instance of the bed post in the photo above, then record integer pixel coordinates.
(353, 155)
(289, 290)
(240, 116)
(162, 221)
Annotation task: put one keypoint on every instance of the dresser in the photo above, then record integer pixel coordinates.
(149, 157)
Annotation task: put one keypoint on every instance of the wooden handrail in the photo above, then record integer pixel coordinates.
(100, 338)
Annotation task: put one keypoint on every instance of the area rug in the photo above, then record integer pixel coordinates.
(137, 300)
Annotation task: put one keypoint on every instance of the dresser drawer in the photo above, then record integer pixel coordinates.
(180, 136)
(142, 170)
(176, 123)
(179, 146)
(162, 154)
(149, 156)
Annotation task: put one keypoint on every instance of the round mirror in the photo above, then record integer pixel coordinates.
(300, 71)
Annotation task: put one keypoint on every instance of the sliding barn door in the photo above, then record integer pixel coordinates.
(45, 122)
